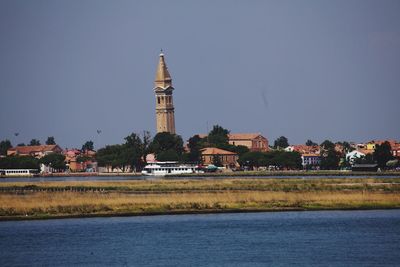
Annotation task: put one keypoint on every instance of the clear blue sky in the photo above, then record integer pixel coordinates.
(303, 69)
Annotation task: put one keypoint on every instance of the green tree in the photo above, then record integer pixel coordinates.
(282, 159)
(34, 142)
(216, 160)
(21, 144)
(129, 154)
(292, 160)
(165, 141)
(253, 159)
(310, 143)
(382, 154)
(240, 150)
(281, 143)
(367, 159)
(146, 144)
(134, 151)
(168, 155)
(50, 140)
(88, 146)
(111, 156)
(195, 146)
(347, 147)
(55, 161)
(83, 158)
(330, 160)
(4, 146)
(17, 162)
(327, 145)
(218, 136)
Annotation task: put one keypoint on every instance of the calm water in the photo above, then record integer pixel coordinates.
(333, 238)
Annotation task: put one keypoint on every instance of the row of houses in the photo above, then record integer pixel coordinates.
(75, 159)
(311, 155)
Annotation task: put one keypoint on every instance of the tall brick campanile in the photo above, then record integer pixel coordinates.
(164, 102)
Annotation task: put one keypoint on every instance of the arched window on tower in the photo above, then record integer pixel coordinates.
(158, 100)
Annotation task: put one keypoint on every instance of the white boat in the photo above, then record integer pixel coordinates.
(168, 168)
(19, 172)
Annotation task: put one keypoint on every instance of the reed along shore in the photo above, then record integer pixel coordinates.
(41, 200)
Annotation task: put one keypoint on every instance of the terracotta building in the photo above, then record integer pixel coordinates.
(73, 163)
(228, 159)
(164, 102)
(304, 149)
(254, 141)
(34, 151)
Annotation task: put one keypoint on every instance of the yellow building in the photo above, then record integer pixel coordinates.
(164, 102)
(371, 146)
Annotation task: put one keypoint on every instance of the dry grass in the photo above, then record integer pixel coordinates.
(301, 185)
(73, 203)
(49, 199)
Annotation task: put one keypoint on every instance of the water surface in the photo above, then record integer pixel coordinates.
(323, 238)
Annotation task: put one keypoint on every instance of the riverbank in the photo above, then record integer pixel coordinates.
(320, 173)
(300, 173)
(44, 200)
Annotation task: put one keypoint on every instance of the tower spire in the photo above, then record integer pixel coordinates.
(163, 78)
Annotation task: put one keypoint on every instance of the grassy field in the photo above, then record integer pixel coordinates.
(100, 198)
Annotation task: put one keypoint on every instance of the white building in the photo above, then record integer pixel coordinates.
(353, 156)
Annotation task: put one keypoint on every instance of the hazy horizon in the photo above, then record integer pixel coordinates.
(302, 69)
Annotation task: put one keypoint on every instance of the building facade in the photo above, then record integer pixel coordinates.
(254, 141)
(227, 159)
(163, 89)
(310, 160)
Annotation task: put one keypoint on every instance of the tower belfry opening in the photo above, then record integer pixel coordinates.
(164, 101)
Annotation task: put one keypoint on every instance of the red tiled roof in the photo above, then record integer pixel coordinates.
(306, 149)
(243, 136)
(216, 151)
(238, 136)
(34, 149)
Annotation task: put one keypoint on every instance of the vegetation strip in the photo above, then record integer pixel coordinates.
(107, 198)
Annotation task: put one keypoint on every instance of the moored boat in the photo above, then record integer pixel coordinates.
(169, 168)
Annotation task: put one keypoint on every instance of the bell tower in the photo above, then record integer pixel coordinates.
(164, 102)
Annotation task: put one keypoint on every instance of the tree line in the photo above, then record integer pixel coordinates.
(170, 147)
(55, 161)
